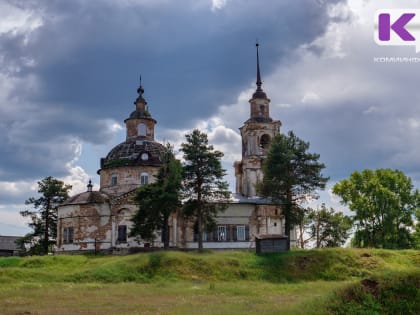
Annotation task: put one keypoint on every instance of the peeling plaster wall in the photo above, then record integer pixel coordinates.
(128, 178)
(90, 224)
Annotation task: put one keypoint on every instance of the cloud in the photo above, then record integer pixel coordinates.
(218, 4)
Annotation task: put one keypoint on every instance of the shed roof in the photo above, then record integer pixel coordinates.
(8, 242)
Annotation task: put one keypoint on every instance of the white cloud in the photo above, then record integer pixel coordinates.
(18, 188)
(218, 4)
(15, 20)
(77, 178)
(310, 97)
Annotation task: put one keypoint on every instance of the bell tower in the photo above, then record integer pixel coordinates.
(257, 133)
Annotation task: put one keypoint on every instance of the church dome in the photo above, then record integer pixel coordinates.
(134, 153)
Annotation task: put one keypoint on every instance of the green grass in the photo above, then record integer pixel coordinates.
(326, 281)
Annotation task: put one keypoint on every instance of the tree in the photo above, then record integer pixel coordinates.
(159, 200)
(322, 227)
(417, 231)
(44, 217)
(205, 191)
(384, 203)
(328, 227)
(303, 224)
(291, 176)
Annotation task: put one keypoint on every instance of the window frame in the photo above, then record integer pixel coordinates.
(221, 233)
(114, 180)
(142, 129)
(122, 233)
(68, 235)
(240, 233)
(144, 178)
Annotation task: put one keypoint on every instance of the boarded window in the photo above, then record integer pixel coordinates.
(142, 129)
(122, 234)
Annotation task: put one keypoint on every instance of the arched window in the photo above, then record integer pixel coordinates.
(144, 179)
(265, 141)
(113, 180)
(141, 129)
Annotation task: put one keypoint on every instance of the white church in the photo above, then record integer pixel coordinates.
(100, 220)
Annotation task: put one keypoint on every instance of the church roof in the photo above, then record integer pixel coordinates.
(137, 152)
(86, 197)
(238, 198)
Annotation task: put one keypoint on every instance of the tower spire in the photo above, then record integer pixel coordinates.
(258, 70)
(259, 93)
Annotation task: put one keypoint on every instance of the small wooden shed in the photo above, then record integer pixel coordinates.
(8, 246)
(270, 243)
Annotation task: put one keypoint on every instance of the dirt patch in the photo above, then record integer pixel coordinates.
(370, 286)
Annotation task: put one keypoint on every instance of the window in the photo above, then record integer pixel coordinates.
(68, 233)
(113, 180)
(144, 179)
(240, 233)
(122, 234)
(221, 233)
(141, 129)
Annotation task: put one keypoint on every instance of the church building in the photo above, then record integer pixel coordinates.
(100, 220)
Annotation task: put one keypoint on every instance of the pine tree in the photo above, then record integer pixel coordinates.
(159, 200)
(205, 191)
(291, 176)
(44, 217)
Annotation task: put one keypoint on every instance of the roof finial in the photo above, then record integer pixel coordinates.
(89, 186)
(259, 93)
(140, 91)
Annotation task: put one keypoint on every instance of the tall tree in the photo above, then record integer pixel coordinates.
(205, 191)
(303, 224)
(159, 200)
(384, 203)
(44, 217)
(291, 176)
(329, 228)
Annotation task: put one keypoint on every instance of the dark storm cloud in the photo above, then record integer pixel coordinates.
(90, 53)
(85, 58)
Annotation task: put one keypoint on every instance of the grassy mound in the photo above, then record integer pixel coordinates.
(389, 294)
(293, 266)
(328, 281)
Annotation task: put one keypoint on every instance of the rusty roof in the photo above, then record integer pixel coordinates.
(87, 197)
(131, 153)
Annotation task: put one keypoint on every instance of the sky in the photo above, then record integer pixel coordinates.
(69, 71)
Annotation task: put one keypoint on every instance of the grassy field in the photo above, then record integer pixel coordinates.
(329, 281)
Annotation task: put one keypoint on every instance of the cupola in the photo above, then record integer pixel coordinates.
(140, 124)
